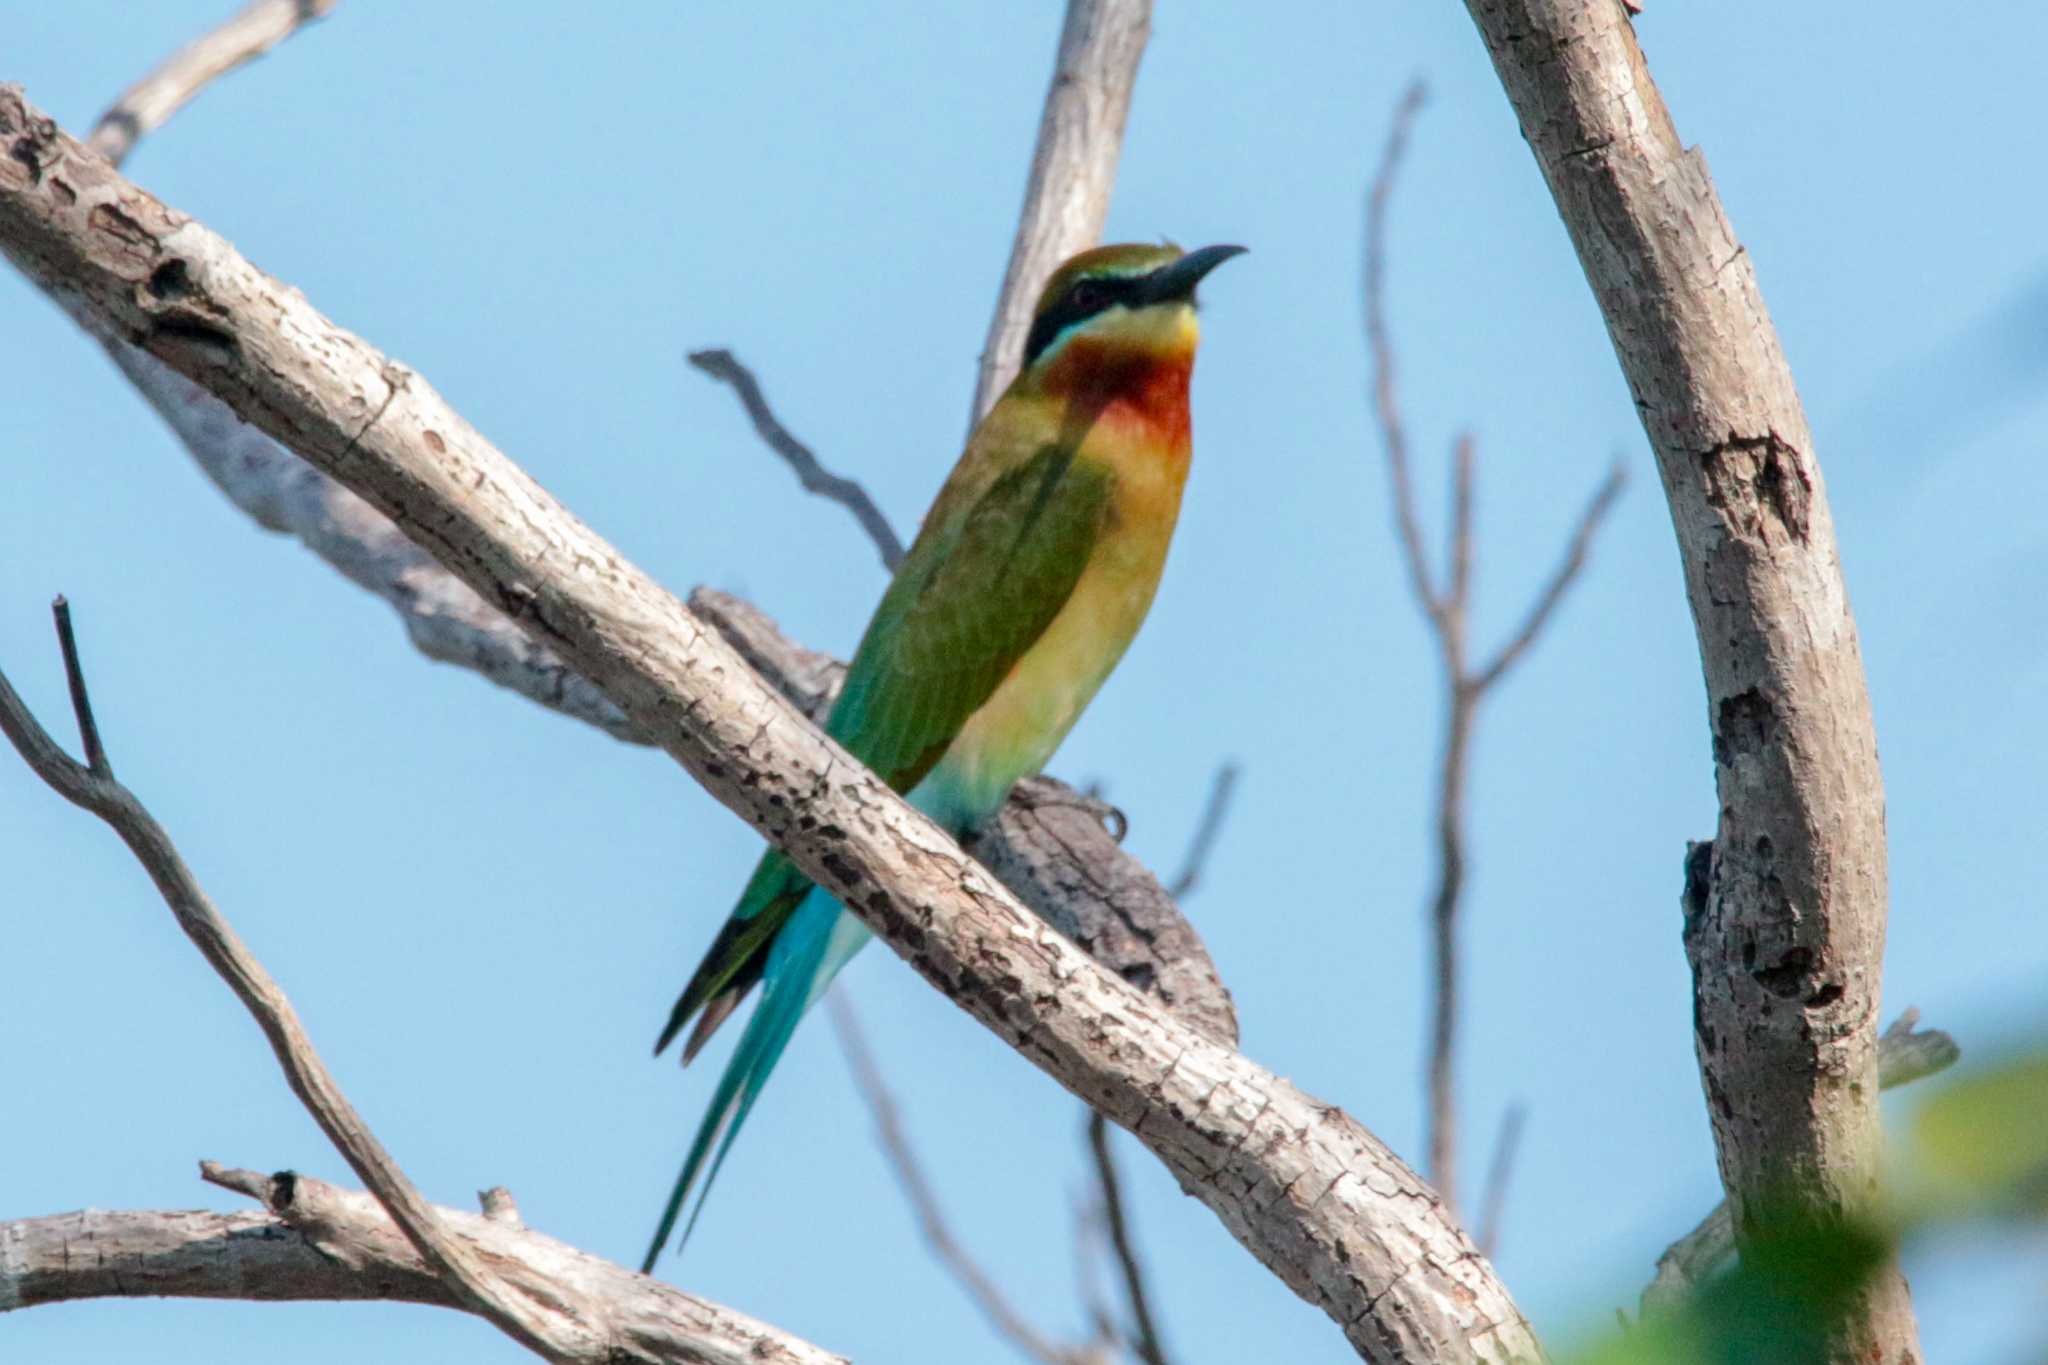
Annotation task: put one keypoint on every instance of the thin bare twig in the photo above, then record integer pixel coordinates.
(145, 105)
(725, 367)
(1448, 608)
(1145, 1334)
(94, 789)
(1220, 792)
(81, 701)
(931, 1218)
(1505, 1144)
(1560, 579)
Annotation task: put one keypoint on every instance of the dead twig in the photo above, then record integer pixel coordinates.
(1447, 606)
(931, 1218)
(725, 367)
(1220, 791)
(1505, 1144)
(145, 105)
(92, 787)
(1145, 1334)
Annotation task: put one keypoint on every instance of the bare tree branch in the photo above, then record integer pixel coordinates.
(1213, 813)
(1303, 1186)
(1904, 1055)
(1073, 169)
(1145, 1335)
(1448, 609)
(1787, 947)
(94, 789)
(931, 1217)
(725, 367)
(146, 105)
(314, 1241)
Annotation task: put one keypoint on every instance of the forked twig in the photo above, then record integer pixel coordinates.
(1447, 606)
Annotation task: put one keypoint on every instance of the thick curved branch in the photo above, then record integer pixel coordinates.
(1073, 169)
(1308, 1190)
(1787, 944)
(1905, 1054)
(147, 104)
(315, 1241)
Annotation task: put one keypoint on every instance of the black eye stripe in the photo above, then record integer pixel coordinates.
(1083, 299)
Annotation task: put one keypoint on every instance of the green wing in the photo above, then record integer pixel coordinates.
(963, 608)
(976, 591)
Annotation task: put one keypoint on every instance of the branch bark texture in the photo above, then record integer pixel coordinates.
(1786, 943)
(316, 1241)
(1308, 1190)
(1073, 170)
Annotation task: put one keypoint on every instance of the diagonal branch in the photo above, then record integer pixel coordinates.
(1073, 169)
(931, 1217)
(314, 1241)
(146, 105)
(1300, 1184)
(1197, 857)
(1786, 946)
(725, 367)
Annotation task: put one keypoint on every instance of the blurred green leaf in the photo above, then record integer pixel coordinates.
(1983, 1140)
(1772, 1309)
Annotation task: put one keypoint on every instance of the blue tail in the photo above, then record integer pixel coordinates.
(806, 955)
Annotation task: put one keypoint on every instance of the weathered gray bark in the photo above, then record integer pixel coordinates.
(316, 1241)
(1073, 169)
(1308, 1190)
(1786, 941)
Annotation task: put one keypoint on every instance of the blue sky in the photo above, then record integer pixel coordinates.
(484, 911)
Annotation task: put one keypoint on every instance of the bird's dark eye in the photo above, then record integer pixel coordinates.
(1088, 296)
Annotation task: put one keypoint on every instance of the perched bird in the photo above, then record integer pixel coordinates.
(1029, 577)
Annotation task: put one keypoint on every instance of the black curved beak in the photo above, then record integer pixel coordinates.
(1178, 281)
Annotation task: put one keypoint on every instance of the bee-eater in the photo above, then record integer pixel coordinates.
(1029, 577)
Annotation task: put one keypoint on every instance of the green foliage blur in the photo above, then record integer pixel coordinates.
(1976, 1149)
